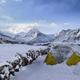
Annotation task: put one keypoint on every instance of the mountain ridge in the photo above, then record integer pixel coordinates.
(34, 36)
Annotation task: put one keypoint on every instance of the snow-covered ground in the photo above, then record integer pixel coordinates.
(38, 70)
(8, 51)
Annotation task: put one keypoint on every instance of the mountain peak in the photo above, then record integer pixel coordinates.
(33, 30)
(69, 35)
(34, 36)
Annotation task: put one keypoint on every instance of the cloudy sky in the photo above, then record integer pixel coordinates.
(50, 16)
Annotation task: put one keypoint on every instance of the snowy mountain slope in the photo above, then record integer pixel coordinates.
(34, 36)
(68, 35)
(6, 37)
(27, 36)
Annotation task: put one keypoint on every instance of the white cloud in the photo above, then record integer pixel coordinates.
(20, 27)
(53, 24)
(25, 27)
(2, 1)
(48, 27)
(4, 17)
(5, 1)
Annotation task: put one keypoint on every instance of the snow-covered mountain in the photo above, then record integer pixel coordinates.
(34, 36)
(68, 36)
(6, 37)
